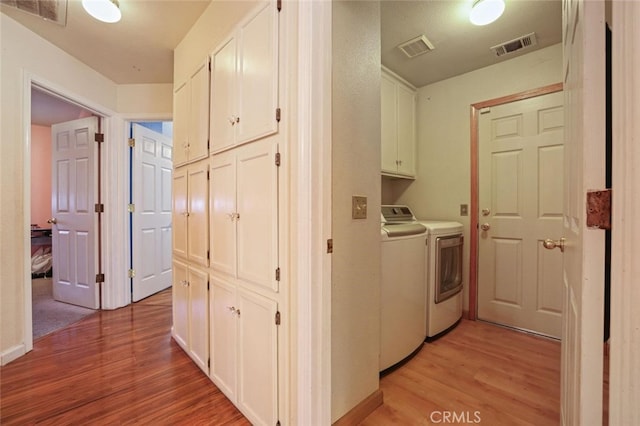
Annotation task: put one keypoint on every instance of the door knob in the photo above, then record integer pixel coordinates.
(486, 212)
(550, 244)
(52, 221)
(485, 226)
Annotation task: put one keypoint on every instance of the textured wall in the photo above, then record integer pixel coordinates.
(355, 301)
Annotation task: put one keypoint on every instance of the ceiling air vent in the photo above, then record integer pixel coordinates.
(49, 10)
(416, 46)
(514, 45)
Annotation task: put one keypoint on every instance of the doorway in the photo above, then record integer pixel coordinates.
(47, 111)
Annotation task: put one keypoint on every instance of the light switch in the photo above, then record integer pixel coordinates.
(358, 207)
(464, 209)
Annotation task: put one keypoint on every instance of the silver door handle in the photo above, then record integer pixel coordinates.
(485, 226)
(550, 244)
(52, 221)
(486, 212)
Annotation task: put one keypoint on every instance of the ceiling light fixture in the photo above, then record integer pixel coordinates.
(484, 12)
(103, 10)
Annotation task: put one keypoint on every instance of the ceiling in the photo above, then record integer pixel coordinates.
(460, 46)
(136, 50)
(139, 48)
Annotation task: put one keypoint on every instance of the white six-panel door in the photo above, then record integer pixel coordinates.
(74, 188)
(520, 197)
(152, 213)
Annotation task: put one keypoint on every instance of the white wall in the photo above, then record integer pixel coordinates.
(443, 119)
(147, 98)
(26, 55)
(355, 301)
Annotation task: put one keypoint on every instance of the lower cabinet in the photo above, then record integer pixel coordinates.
(191, 312)
(244, 349)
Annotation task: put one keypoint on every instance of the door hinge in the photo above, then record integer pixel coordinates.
(99, 137)
(208, 140)
(131, 208)
(208, 285)
(277, 159)
(208, 362)
(330, 245)
(208, 178)
(278, 274)
(99, 278)
(131, 273)
(99, 208)
(208, 254)
(279, 9)
(277, 317)
(599, 209)
(209, 63)
(278, 114)
(132, 142)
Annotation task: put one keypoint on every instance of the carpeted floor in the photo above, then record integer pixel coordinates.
(48, 314)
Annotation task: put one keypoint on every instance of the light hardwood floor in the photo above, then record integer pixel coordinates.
(122, 367)
(476, 374)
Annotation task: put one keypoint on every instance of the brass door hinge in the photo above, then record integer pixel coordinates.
(99, 137)
(131, 208)
(277, 317)
(132, 143)
(599, 209)
(278, 114)
(99, 208)
(278, 159)
(330, 245)
(131, 273)
(99, 278)
(278, 274)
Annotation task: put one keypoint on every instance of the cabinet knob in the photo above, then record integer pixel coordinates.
(238, 312)
(232, 308)
(232, 120)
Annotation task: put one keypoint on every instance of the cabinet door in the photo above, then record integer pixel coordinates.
(223, 96)
(258, 358)
(180, 290)
(223, 336)
(257, 206)
(258, 74)
(179, 212)
(406, 130)
(181, 124)
(222, 199)
(199, 113)
(388, 124)
(199, 318)
(198, 225)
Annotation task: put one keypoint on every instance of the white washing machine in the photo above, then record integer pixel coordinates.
(403, 293)
(444, 275)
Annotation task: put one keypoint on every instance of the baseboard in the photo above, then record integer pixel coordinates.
(12, 353)
(357, 414)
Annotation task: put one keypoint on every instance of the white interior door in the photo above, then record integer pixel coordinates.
(521, 147)
(152, 212)
(584, 169)
(74, 191)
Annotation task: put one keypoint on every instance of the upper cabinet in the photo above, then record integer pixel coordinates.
(398, 126)
(191, 117)
(244, 82)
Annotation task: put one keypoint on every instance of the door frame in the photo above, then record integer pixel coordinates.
(474, 145)
(624, 370)
(32, 80)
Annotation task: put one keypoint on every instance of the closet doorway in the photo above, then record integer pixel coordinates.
(48, 314)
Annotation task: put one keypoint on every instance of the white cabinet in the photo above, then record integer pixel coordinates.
(191, 312)
(190, 213)
(244, 348)
(191, 117)
(244, 81)
(243, 223)
(398, 126)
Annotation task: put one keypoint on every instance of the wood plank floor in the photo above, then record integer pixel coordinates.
(113, 367)
(477, 373)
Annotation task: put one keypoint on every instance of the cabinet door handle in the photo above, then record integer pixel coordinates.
(231, 308)
(185, 214)
(232, 120)
(238, 312)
